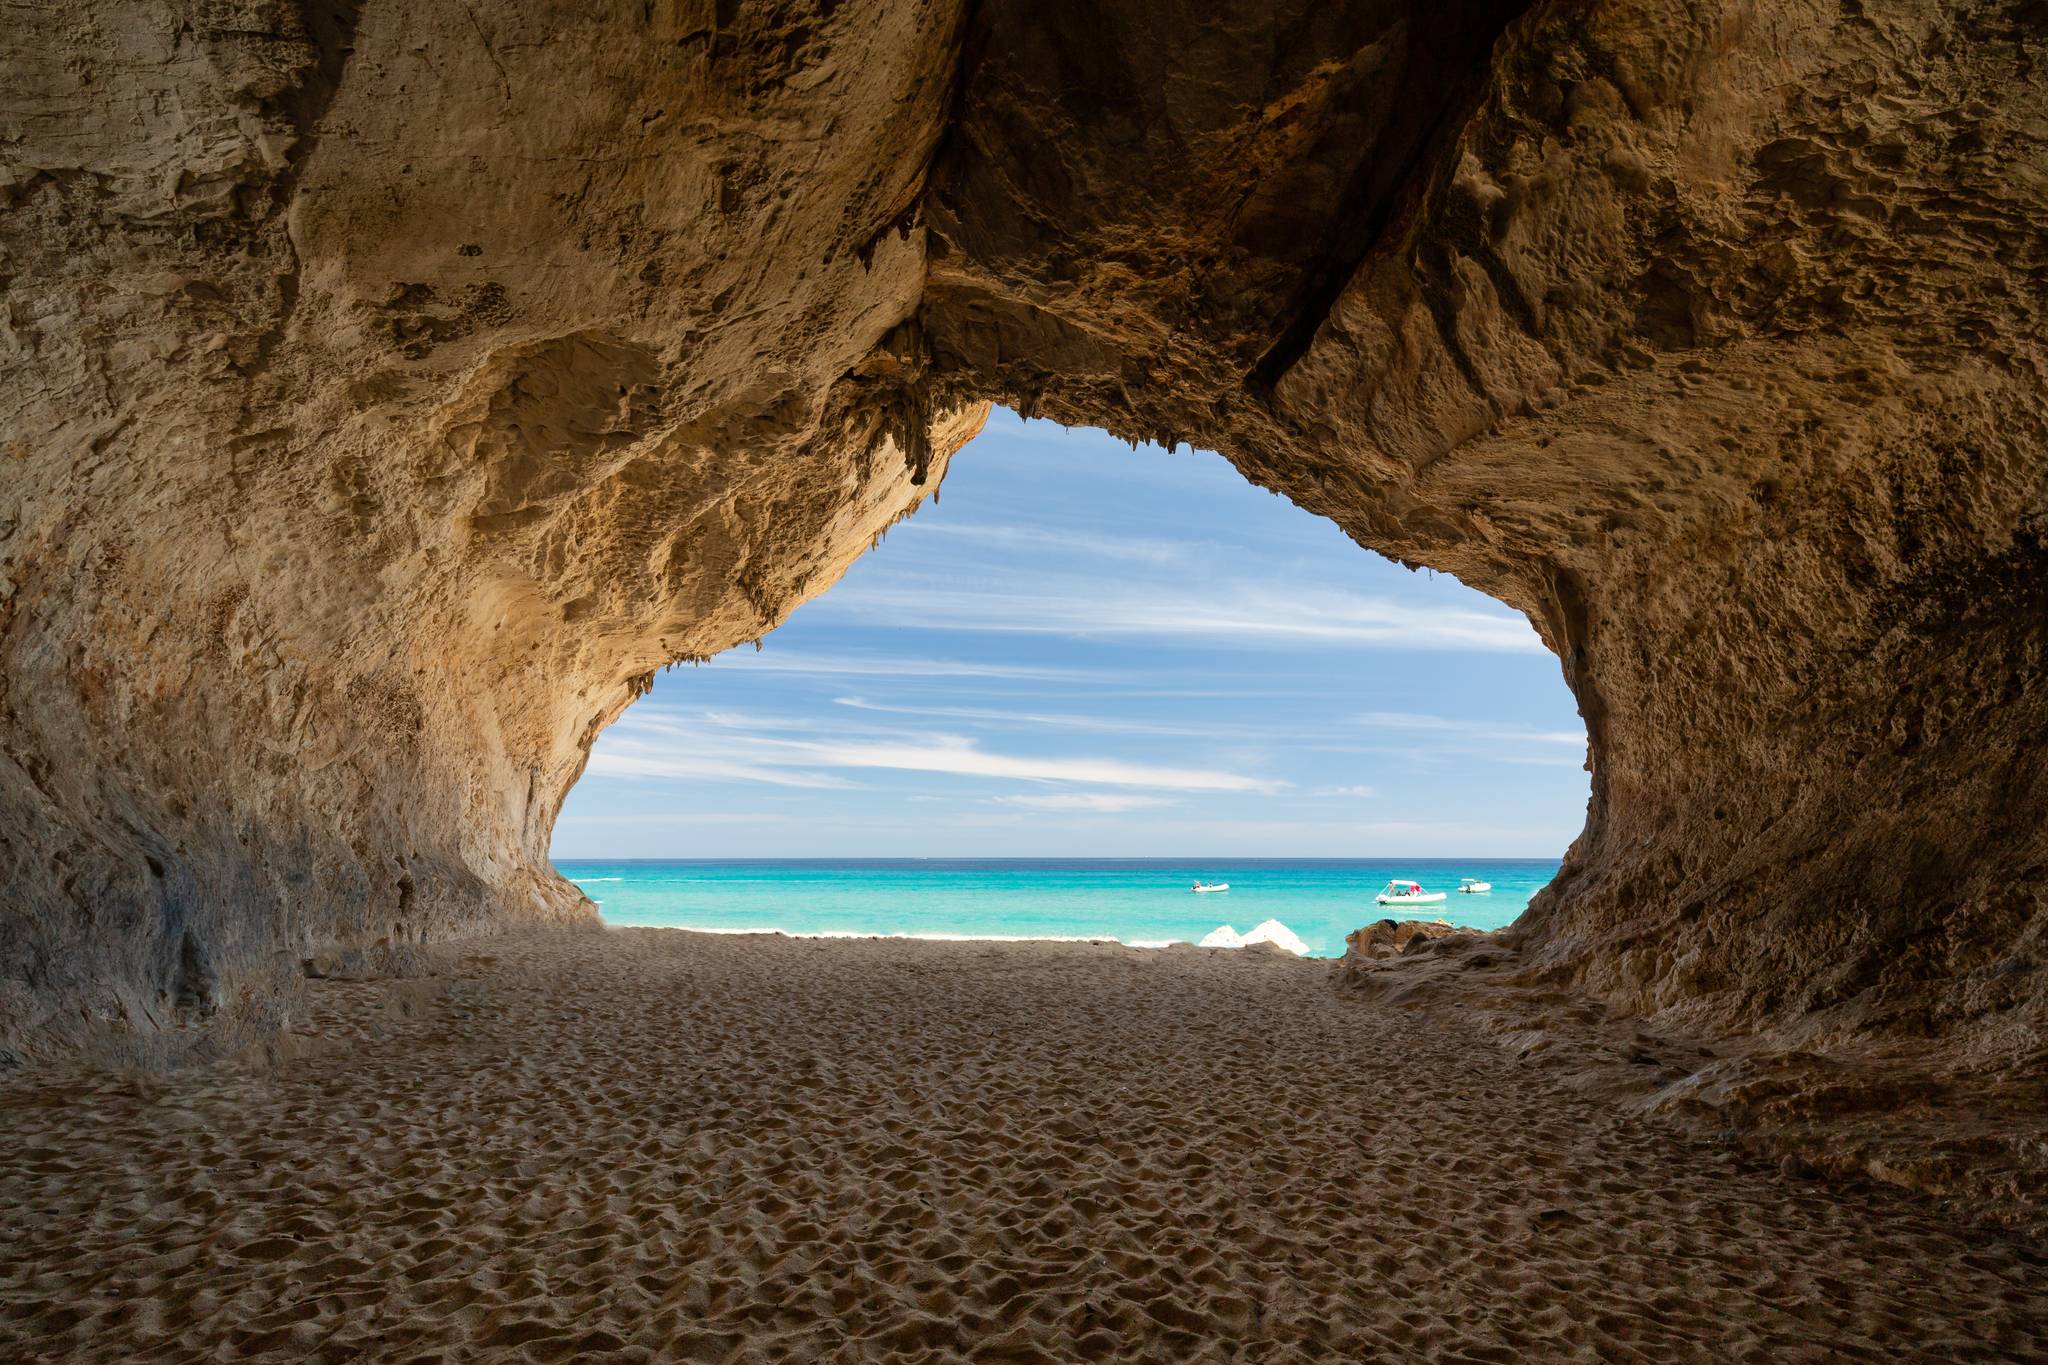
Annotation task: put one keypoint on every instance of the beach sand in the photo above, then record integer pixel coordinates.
(642, 1143)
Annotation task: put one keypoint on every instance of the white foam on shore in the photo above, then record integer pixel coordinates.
(1147, 943)
(859, 933)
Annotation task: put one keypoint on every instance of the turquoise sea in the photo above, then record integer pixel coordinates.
(1144, 902)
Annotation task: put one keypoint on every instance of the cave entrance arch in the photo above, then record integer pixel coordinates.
(1095, 652)
(369, 447)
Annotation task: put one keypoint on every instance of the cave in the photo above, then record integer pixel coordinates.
(392, 390)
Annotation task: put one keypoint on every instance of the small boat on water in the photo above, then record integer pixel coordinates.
(1200, 887)
(1408, 893)
(1472, 886)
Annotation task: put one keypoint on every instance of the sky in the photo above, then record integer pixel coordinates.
(1088, 651)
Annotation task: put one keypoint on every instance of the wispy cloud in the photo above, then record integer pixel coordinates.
(1470, 729)
(1067, 545)
(900, 666)
(1346, 791)
(1538, 760)
(652, 741)
(1061, 720)
(627, 758)
(660, 744)
(1243, 617)
(961, 757)
(1105, 803)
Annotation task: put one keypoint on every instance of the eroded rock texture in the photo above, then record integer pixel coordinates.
(391, 388)
(1710, 339)
(390, 392)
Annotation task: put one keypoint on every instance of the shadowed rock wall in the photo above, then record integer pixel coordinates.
(1710, 338)
(392, 388)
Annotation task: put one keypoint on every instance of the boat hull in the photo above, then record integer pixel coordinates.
(1433, 898)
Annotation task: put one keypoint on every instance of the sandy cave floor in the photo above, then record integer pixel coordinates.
(647, 1144)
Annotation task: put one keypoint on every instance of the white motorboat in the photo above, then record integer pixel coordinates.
(1472, 886)
(1200, 887)
(1408, 893)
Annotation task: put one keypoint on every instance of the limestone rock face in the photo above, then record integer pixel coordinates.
(1711, 339)
(390, 389)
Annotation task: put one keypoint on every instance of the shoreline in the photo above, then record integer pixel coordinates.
(940, 936)
(1105, 940)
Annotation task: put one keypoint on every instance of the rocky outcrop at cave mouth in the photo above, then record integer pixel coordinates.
(1391, 938)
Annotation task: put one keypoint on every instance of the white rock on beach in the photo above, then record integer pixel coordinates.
(1279, 935)
(1271, 931)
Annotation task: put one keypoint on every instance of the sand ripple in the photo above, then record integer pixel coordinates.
(645, 1144)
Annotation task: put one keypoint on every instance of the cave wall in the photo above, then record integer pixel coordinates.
(1710, 337)
(393, 388)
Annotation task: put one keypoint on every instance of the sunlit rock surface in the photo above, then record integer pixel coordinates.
(390, 393)
(1388, 938)
(391, 390)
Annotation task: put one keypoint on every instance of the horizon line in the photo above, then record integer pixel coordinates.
(1075, 858)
